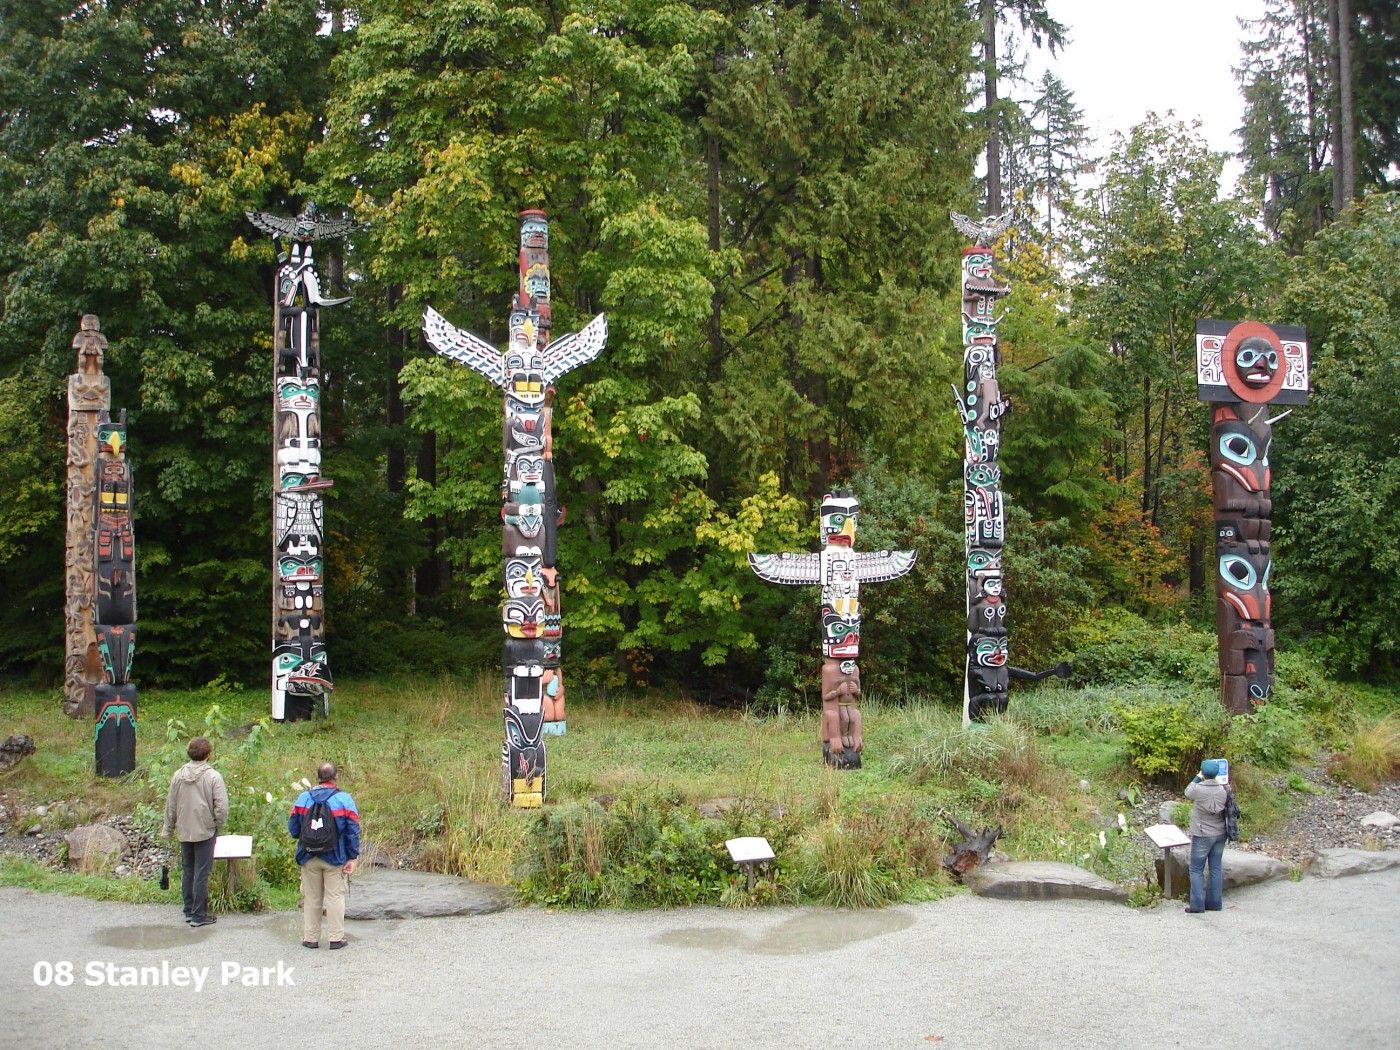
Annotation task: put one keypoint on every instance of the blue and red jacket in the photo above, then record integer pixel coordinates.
(347, 823)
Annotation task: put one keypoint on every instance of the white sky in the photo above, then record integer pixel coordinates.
(1128, 57)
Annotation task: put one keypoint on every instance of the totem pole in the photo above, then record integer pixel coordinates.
(114, 604)
(1243, 367)
(840, 570)
(300, 675)
(530, 510)
(982, 407)
(89, 396)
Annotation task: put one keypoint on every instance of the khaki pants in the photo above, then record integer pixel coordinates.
(322, 885)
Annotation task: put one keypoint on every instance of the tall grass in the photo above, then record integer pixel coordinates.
(1370, 754)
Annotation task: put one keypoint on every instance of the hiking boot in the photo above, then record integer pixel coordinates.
(311, 944)
(337, 944)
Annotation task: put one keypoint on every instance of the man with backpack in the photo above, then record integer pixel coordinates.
(1212, 813)
(326, 825)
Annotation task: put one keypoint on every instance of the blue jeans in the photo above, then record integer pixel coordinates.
(1207, 896)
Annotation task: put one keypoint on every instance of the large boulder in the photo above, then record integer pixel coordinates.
(13, 749)
(1041, 880)
(95, 847)
(386, 893)
(1242, 868)
(1334, 863)
(1380, 819)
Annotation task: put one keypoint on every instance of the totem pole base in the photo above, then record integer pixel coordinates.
(304, 708)
(527, 794)
(556, 728)
(114, 735)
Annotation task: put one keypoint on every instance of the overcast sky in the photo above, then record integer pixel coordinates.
(1128, 57)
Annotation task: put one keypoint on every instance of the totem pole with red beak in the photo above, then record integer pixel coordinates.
(840, 570)
(530, 510)
(1243, 368)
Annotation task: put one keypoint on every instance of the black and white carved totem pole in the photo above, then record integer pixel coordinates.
(1242, 367)
(530, 510)
(840, 570)
(301, 679)
(101, 561)
(982, 407)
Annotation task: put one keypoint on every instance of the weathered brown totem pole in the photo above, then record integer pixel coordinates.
(1243, 367)
(840, 570)
(530, 510)
(89, 397)
(100, 555)
(301, 679)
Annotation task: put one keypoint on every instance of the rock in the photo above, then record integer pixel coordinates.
(1334, 863)
(1242, 868)
(95, 847)
(714, 808)
(122, 871)
(384, 893)
(373, 855)
(1084, 785)
(1380, 819)
(1165, 812)
(605, 801)
(1041, 880)
(998, 857)
(14, 749)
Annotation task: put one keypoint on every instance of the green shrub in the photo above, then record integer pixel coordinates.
(1167, 741)
(1272, 736)
(1116, 646)
(837, 869)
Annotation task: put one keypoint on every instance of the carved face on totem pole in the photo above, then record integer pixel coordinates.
(840, 515)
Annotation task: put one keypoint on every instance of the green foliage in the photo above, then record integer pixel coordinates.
(1114, 646)
(1166, 741)
(1370, 754)
(1337, 461)
(1273, 736)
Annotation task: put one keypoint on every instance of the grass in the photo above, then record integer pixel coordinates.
(1370, 753)
(421, 756)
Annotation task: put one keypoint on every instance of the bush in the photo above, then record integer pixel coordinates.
(871, 857)
(1167, 741)
(1116, 646)
(1272, 736)
(1370, 754)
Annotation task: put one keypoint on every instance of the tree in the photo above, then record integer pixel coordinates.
(1161, 249)
(1035, 20)
(1337, 459)
(1058, 140)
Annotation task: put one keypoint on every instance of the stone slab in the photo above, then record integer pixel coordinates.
(1335, 863)
(1242, 868)
(1041, 880)
(383, 893)
(95, 847)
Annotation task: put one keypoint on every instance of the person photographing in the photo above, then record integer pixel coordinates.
(1208, 796)
(326, 825)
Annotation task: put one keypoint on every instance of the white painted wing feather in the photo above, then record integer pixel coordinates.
(875, 566)
(460, 345)
(787, 568)
(578, 348)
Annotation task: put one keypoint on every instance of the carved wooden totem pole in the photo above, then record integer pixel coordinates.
(114, 603)
(301, 679)
(100, 555)
(1243, 367)
(840, 570)
(982, 407)
(530, 510)
(89, 397)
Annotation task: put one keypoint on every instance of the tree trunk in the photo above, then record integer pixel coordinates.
(1146, 444)
(1348, 108)
(1334, 104)
(989, 55)
(972, 851)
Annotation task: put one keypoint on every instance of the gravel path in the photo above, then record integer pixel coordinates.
(1311, 963)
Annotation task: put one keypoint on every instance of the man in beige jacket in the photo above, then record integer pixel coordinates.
(196, 809)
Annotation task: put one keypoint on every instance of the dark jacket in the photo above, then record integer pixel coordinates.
(347, 822)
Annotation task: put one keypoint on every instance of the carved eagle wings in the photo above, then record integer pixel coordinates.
(985, 232)
(578, 348)
(305, 227)
(460, 345)
(798, 569)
